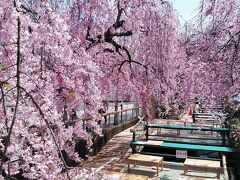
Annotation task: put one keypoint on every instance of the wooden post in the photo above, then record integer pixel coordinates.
(116, 115)
(126, 115)
(162, 165)
(223, 138)
(134, 136)
(224, 168)
(132, 114)
(185, 169)
(178, 132)
(146, 133)
(121, 107)
(137, 112)
(133, 148)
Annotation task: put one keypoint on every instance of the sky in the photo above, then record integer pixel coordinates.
(186, 9)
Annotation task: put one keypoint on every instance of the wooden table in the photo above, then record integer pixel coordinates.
(151, 160)
(210, 165)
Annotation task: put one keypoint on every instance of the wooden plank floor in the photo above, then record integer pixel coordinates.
(113, 156)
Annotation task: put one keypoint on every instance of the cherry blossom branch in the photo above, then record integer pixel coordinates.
(25, 8)
(92, 40)
(108, 37)
(48, 125)
(4, 107)
(6, 68)
(226, 44)
(5, 93)
(18, 95)
(30, 78)
(236, 51)
(6, 81)
(120, 10)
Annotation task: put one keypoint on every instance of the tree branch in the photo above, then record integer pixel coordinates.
(4, 106)
(48, 125)
(18, 94)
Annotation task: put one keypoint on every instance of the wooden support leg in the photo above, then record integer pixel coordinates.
(185, 169)
(133, 149)
(162, 166)
(128, 166)
(146, 134)
(134, 163)
(218, 174)
(157, 169)
(178, 132)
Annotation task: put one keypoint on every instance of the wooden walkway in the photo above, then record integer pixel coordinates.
(113, 157)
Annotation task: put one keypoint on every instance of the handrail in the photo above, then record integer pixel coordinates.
(71, 122)
(77, 120)
(133, 130)
(120, 111)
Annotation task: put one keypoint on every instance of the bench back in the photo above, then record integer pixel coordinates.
(186, 127)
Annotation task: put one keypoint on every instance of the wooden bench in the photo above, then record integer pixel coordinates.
(184, 146)
(151, 160)
(200, 126)
(210, 165)
(222, 131)
(210, 114)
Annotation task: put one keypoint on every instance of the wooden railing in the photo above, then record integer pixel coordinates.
(137, 127)
(122, 115)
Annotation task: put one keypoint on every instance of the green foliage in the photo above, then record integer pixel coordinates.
(234, 135)
(235, 121)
